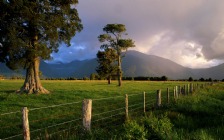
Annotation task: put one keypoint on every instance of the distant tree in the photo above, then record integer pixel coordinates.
(164, 78)
(94, 76)
(202, 79)
(190, 79)
(113, 39)
(107, 67)
(30, 30)
(85, 78)
(210, 79)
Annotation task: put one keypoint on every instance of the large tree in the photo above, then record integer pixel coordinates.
(113, 39)
(107, 67)
(30, 30)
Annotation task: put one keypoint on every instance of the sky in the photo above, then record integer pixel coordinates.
(188, 32)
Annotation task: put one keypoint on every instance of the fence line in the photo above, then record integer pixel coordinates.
(178, 91)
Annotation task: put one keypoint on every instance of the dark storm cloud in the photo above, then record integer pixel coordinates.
(157, 26)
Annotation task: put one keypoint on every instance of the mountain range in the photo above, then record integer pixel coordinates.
(133, 64)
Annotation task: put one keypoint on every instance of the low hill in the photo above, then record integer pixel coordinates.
(133, 64)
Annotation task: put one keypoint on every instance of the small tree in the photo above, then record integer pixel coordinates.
(164, 78)
(202, 79)
(107, 67)
(94, 76)
(190, 79)
(113, 39)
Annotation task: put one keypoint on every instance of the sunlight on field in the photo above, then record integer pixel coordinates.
(62, 109)
(63, 91)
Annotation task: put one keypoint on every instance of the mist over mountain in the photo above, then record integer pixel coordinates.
(133, 64)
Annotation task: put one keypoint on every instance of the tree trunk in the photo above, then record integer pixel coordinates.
(109, 80)
(32, 82)
(119, 74)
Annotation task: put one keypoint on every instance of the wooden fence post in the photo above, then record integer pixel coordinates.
(191, 88)
(184, 91)
(174, 93)
(87, 113)
(188, 88)
(126, 107)
(26, 128)
(177, 92)
(168, 96)
(158, 98)
(144, 100)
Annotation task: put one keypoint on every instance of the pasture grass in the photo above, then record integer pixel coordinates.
(193, 117)
(64, 91)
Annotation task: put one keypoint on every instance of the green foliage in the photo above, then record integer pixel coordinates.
(31, 29)
(133, 131)
(113, 40)
(164, 78)
(190, 79)
(151, 127)
(158, 128)
(107, 66)
(94, 76)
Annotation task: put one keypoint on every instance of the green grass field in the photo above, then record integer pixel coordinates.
(189, 115)
(72, 91)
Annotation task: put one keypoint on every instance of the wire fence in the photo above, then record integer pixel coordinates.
(65, 119)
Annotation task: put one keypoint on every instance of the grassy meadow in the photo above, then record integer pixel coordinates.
(198, 116)
(64, 91)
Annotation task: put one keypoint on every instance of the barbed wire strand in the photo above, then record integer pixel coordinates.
(108, 117)
(57, 132)
(111, 105)
(3, 114)
(57, 116)
(108, 111)
(32, 109)
(105, 123)
(135, 105)
(56, 125)
(135, 109)
(129, 95)
(12, 137)
(8, 126)
(107, 98)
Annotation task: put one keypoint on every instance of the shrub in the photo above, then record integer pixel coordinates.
(133, 131)
(158, 128)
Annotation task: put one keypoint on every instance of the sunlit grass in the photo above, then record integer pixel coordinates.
(71, 91)
(64, 91)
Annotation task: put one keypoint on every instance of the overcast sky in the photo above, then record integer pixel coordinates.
(188, 32)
